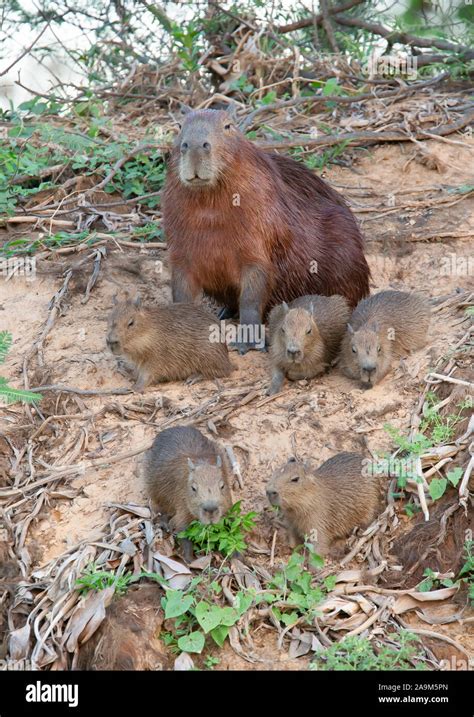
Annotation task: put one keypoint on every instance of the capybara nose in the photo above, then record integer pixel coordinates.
(293, 354)
(113, 345)
(206, 146)
(369, 369)
(272, 496)
(210, 509)
(184, 146)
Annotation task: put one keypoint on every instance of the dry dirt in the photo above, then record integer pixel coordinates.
(313, 419)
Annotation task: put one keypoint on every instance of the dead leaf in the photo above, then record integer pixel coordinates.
(178, 575)
(183, 662)
(86, 618)
(19, 642)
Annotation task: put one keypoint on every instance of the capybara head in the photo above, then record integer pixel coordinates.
(371, 352)
(128, 327)
(289, 484)
(298, 332)
(208, 494)
(208, 141)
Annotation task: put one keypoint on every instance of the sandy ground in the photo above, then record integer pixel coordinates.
(314, 418)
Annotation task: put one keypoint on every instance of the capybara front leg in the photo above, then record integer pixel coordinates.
(183, 288)
(253, 292)
(278, 377)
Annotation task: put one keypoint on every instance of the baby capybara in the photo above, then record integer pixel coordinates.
(382, 327)
(253, 228)
(305, 337)
(324, 505)
(187, 477)
(167, 343)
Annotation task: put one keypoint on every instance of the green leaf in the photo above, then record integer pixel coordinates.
(5, 343)
(330, 582)
(315, 560)
(177, 603)
(455, 476)
(219, 634)
(425, 585)
(208, 616)
(194, 642)
(289, 618)
(437, 487)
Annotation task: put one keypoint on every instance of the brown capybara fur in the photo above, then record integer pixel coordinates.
(187, 477)
(382, 327)
(167, 343)
(305, 337)
(325, 504)
(253, 228)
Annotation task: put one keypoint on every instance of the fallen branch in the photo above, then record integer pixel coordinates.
(370, 137)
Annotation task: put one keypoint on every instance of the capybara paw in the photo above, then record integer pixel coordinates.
(196, 378)
(243, 347)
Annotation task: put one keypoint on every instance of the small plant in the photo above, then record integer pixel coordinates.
(196, 616)
(357, 653)
(227, 536)
(442, 429)
(415, 446)
(8, 394)
(148, 232)
(433, 580)
(210, 662)
(96, 579)
(292, 592)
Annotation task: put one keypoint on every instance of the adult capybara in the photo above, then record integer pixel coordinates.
(167, 343)
(382, 327)
(326, 504)
(253, 228)
(305, 337)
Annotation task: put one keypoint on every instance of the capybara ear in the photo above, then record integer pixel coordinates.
(350, 329)
(285, 307)
(191, 465)
(137, 300)
(232, 112)
(219, 462)
(292, 459)
(184, 109)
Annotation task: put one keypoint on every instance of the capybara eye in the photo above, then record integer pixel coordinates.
(282, 330)
(295, 479)
(354, 350)
(379, 349)
(131, 322)
(222, 485)
(308, 331)
(228, 126)
(194, 488)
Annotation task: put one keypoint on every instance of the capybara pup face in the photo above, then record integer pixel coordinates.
(298, 331)
(207, 491)
(370, 353)
(206, 144)
(127, 327)
(288, 484)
